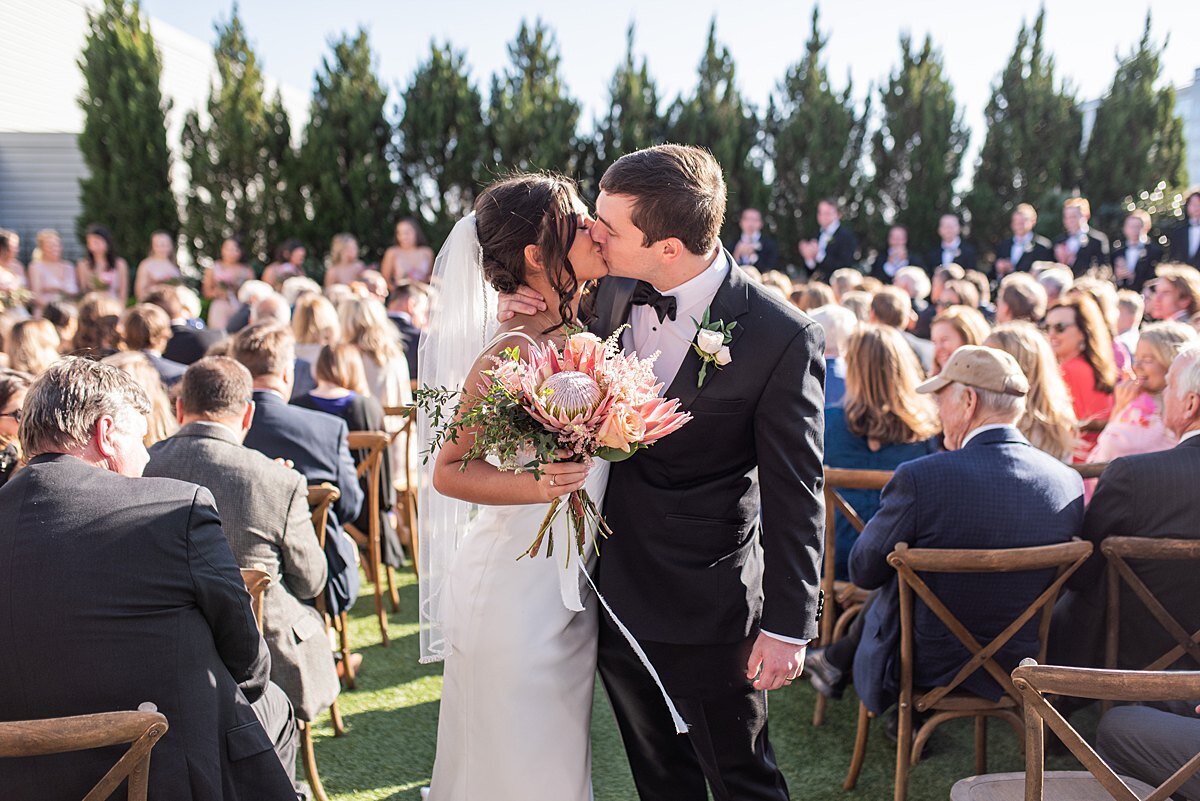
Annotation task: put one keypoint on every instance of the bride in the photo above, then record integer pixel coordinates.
(518, 643)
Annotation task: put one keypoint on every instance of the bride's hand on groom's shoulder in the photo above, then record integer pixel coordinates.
(774, 663)
(524, 301)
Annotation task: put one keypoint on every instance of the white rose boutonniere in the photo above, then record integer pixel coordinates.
(712, 344)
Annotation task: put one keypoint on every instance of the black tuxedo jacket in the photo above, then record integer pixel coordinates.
(120, 591)
(1093, 253)
(967, 258)
(768, 252)
(188, 345)
(879, 273)
(1179, 246)
(718, 528)
(1152, 254)
(1038, 249)
(841, 251)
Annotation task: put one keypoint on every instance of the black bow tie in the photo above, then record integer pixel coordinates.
(664, 305)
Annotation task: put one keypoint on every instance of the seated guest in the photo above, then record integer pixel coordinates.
(272, 308)
(1080, 341)
(941, 276)
(753, 248)
(991, 489)
(160, 422)
(187, 344)
(953, 328)
(408, 309)
(858, 302)
(916, 283)
(13, 386)
(1176, 292)
(265, 515)
(130, 595)
(294, 287)
(32, 346)
(1130, 310)
(1080, 247)
(778, 281)
(958, 293)
(839, 325)
(1049, 420)
(315, 444)
(881, 423)
(1024, 247)
(1020, 297)
(248, 294)
(983, 286)
(835, 246)
(146, 328)
(289, 263)
(64, 316)
(952, 249)
(1054, 278)
(97, 333)
(1135, 255)
(315, 324)
(846, 279)
(1150, 743)
(1104, 292)
(895, 257)
(1185, 238)
(892, 307)
(814, 295)
(1148, 495)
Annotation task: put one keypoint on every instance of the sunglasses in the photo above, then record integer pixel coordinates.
(15, 414)
(1060, 328)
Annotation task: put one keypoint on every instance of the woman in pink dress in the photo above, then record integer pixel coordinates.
(344, 264)
(411, 258)
(102, 269)
(222, 280)
(159, 266)
(50, 277)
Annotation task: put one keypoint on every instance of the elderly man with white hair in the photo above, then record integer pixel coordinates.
(1055, 278)
(839, 324)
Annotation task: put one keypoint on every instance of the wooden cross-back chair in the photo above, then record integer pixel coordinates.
(947, 702)
(843, 600)
(1034, 682)
(320, 498)
(141, 730)
(406, 482)
(372, 449)
(257, 581)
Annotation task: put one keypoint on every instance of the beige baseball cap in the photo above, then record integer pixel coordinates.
(982, 368)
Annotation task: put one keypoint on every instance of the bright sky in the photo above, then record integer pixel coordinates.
(975, 37)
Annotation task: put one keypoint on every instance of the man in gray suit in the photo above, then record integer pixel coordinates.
(265, 515)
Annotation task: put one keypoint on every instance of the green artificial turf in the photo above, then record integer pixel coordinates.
(391, 730)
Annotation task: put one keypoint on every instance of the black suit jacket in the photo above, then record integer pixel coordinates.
(1092, 253)
(879, 273)
(315, 443)
(120, 591)
(411, 336)
(1143, 270)
(1178, 239)
(768, 252)
(188, 345)
(718, 528)
(1148, 495)
(967, 257)
(841, 251)
(1038, 249)
(169, 372)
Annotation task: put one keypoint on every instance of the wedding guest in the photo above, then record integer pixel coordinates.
(815, 295)
(953, 328)
(881, 422)
(64, 316)
(1049, 420)
(32, 346)
(273, 308)
(846, 279)
(839, 325)
(315, 324)
(1130, 310)
(187, 344)
(131, 596)
(958, 293)
(222, 280)
(97, 334)
(51, 278)
(294, 287)
(410, 258)
(1024, 247)
(942, 276)
(1080, 247)
(1176, 292)
(1083, 347)
(408, 309)
(159, 266)
(895, 257)
(13, 386)
(835, 246)
(1055, 279)
(265, 516)
(12, 272)
(1135, 255)
(1151, 743)
(289, 263)
(247, 297)
(1104, 293)
(371, 284)
(915, 281)
(160, 421)
(366, 326)
(752, 247)
(892, 307)
(952, 249)
(146, 328)
(777, 280)
(344, 264)
(1020, 297)
(858, 302)
(314, 442)
(102, 269)
(1185, 238)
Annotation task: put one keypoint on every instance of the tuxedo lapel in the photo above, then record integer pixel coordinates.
(614, 299)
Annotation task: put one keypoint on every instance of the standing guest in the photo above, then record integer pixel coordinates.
(411, 258)
(1079, 246)
(101, 269)
(1176, 292)
(1024, 247)
(146, 328)
(839, 325)
(1135, 255)
(12, 272)
(835, 246)
(265, 515)
(64, 316)
(51, 278)
(344, 264)
(895, 257)
(187, 344)
(314, 442)
(952, 249)
(1130, 309)
(1185, 238)
(132, 596)
(915, 281)
(1049, 421)
(315, 324)
(160, 421)
(1055, 279)
(289, 263)
(32, 346)
(881, 423)
(98, 331)
(892, 307)
(753, 248)
(953, 328)
(222, 280)
(13, 386)
(408, 309)
(1020, 297)
(1081, 343)
(159, 267)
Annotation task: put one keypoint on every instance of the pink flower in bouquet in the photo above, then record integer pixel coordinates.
(662, 417)
(508, 374)
(563, 400)
(623, 428)
(584, 352)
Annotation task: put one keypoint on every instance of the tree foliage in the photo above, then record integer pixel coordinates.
(634, 120)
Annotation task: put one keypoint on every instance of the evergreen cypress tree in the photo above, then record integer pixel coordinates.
(124, 137)
(633, 120)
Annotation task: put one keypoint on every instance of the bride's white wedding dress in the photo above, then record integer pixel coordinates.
(517, 694)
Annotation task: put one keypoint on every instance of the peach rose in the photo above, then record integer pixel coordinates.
(623, 427)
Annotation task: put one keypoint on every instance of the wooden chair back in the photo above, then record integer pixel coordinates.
(837, 479)
(33, 738)
(406, 484)
(1065, 558)
(371, 447)
(1118, 551)
(1034, 682)
(321, 497)
(1090, 470)
(257, 581)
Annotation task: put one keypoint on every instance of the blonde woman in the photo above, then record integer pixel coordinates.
(51, 278)
(159, 266)
(951, 329)
(344, 265)
(161, 422)
(12, 272)
(1049, 422)
(32, 346)
(315, 324)
(411, 258)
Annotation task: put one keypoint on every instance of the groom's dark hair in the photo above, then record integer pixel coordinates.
(677, 190)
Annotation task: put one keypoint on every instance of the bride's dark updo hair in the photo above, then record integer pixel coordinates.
(529, 209)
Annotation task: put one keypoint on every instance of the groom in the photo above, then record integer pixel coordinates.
(714, 561)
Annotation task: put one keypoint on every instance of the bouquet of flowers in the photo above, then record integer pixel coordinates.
(589, 399)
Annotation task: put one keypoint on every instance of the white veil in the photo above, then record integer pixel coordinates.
(462, 322)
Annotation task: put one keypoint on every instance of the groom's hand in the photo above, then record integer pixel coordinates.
(776, 663)
(524, 301)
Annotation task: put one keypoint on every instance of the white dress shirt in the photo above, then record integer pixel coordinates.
(823, 239)
(1018, 248)
(1133, 254)
(1074, 243)
(1189, 434)
(989, 427)
(950, 252)
(1193, 238)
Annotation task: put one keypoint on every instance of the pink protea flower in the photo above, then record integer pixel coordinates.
(662, 417)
